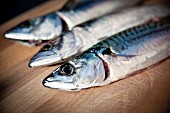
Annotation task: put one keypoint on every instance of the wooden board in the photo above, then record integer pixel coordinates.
(21, 89)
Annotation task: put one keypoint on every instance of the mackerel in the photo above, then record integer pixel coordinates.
(115, 58)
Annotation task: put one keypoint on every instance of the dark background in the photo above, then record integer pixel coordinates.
(12, 8)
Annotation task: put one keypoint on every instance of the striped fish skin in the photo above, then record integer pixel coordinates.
(114, 58)
(82, 38)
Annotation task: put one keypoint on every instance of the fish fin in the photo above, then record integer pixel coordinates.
(109, 51)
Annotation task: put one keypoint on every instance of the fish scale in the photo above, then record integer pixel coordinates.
(124, 42)
(134, 35)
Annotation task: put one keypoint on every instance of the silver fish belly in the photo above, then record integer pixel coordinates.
(82, 38)
(114, 58)
(50, 26)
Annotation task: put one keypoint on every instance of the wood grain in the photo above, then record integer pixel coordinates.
(21, 89)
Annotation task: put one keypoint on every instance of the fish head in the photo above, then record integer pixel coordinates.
(38, 28)
(57, 51)
(44, 56)
(84, 71)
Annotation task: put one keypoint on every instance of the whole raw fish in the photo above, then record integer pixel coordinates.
(82, 38)
(114, 58)
(50, 26)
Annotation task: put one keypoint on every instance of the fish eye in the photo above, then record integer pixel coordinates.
(47, 47)
(66, 69)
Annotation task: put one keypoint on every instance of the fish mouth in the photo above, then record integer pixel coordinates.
(53, 59)
(19, 36)
(51, 81)
(31, 36)
(44, 61)
(58, 85)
